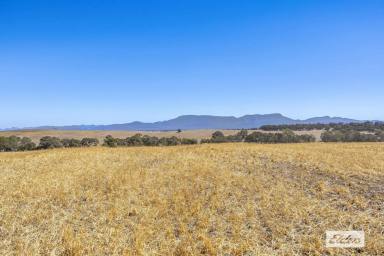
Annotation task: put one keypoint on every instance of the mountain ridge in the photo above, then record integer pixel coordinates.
(195, 122)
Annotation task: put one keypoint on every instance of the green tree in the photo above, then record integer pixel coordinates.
(109, 141)
(26, 144)
(48, 142)
(89, 142)
(71, 143)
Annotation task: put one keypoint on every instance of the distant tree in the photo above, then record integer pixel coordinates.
(89, 142)
(48, 142)
(150, 140)
(204, 141)
(178, 130)
(135, 140)
(173, 141)
(109, 141)
(71, 143)
(243, 133)
(26, 144)
(218, 137)
(217, 134)
(231, 138)
(9, 143)
(163, 141)
(380, 135)
(186, 141)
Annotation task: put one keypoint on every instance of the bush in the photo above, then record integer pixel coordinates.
(70, 143)
(232, 138)
(26, 144)
(150, 141)
(109, 141)
(172, 141)
(204, 141)
(218, 137)
(14, 143)
(135, 140)
(8, 144)
(186, 141)
(50, 142)
(242, 134)
(89, 142)
(217, 134)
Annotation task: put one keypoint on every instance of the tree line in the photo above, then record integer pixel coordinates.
(140, 140)
(287, 136)
(14, 143)
(351, 136)
(363, 126)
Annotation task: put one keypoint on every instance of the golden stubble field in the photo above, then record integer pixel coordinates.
(222, 199)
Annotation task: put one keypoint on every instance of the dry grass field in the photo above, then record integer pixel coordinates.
(35, 135)
(212, 199)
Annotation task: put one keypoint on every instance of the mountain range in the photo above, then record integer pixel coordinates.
(192, 122)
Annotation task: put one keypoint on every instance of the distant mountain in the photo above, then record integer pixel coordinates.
(193, 122)
(328, 119)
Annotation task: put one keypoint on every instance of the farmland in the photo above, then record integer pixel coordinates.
(234, 198)
(35, 135)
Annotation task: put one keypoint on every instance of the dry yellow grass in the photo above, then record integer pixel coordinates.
(233, 199)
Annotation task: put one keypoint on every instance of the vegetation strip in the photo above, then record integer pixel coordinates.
(339, 133)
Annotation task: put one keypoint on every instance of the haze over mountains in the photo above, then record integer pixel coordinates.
(192, 122)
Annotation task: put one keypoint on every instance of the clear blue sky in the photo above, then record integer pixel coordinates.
(101, 62)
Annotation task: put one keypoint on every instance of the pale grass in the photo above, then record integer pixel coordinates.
(227, 199)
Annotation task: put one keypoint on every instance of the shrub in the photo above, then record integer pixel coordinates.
(150, 141)
(9, 143)
(172, 141)
(26, 144)
(232, 138)
(135, 140)
(186, 141)
(218, 137)
(89, 142)
(217, 134)
(109, 141)
(242, 134)
(203, 141)
(50, 142)
(70, 143)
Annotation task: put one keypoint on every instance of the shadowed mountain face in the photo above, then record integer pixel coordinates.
(192, 122)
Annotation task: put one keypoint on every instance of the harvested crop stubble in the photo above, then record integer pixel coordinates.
(240, 199)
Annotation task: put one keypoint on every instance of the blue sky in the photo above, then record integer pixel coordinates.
(101, 62)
